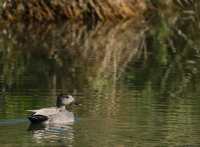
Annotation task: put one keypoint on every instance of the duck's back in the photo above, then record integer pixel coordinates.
(45, 111)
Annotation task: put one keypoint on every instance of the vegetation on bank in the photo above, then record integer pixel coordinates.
(167, 49)
(51, 10)
(91, 10)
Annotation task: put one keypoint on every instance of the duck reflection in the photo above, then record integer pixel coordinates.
(55, 133)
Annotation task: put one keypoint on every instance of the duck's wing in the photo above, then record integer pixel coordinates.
(45, 111)
(37, 118)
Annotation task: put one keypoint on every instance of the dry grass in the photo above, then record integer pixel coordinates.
(42, 10)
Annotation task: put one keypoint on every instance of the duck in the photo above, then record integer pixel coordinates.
(54, 115)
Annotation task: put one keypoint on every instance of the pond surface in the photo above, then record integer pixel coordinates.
(125, 117)
(132, 91)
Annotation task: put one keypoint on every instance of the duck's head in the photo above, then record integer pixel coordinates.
(64, 100)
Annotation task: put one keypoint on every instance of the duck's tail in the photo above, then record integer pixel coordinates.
(37, 118)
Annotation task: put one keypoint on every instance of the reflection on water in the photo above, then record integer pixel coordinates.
(5, 122)
(134, 89)
(52, 133)
(82, 55)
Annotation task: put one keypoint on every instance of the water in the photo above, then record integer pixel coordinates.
(129, 96)
(123, 118)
